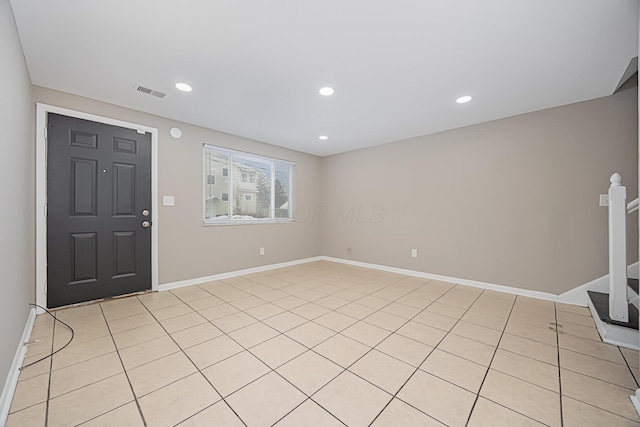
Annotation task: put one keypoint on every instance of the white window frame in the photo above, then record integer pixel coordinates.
(233, 154)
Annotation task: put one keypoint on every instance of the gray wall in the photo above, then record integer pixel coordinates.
(187, 249)
(17, 173)
(511, 202)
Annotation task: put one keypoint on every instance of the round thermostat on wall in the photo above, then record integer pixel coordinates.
(175, 132)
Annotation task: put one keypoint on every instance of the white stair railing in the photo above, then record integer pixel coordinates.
(618, 299)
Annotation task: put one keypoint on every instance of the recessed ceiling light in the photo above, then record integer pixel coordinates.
(323, 137)
(326, 91)
(183, 87)
(463, 99)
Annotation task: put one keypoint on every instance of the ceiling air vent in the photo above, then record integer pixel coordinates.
(151, 92)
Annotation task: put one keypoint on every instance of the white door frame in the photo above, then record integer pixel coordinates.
(41, 191)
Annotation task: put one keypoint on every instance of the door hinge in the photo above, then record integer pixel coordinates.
(45, 132)
(46, 209)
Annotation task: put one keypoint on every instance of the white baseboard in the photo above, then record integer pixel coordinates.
(578, 296)
(14, 373)
(467, 282)
(221, 276)
(473, 283)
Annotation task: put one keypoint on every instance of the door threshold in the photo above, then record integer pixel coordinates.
(98, 301)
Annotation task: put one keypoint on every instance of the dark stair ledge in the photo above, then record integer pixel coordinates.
(600, 302)
(633, 284)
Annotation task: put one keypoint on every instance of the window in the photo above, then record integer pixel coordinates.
(242, 187)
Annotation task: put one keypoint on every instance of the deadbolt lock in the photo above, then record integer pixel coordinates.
(145, 212)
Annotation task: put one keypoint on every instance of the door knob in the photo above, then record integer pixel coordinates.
(146, 224)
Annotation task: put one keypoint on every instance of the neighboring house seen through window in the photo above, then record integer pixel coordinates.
(243, 187)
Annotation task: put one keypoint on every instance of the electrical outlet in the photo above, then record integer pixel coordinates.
(349, 250)
(261, 251)
(414, 253)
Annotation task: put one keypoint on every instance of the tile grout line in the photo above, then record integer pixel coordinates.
(357, 320)
(284, 310)
(629, 367)
(307, 320)
(223, 333)
(486, 374)
(310, 397)
(279, 334)
(252, 354)
(589, 376)
(512, 376)
(596, 378)
(583, 374)
(135, 398)
(369, 351)
(583, 353)
(624, 417)
(222, 398)
(50, 373)
(458, 320)
(339, 332)
(308, 349)
(395, 395)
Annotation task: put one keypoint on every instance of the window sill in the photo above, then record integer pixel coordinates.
(208, 223)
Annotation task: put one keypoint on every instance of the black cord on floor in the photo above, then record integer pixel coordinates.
(58, 350)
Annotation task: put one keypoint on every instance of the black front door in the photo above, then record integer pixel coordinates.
(99, 210)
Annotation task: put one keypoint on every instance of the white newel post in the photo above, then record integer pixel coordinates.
(618, 303)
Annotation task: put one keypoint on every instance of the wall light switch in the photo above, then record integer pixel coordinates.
(414, 253)
(168, 201)
(604, 200)
(261, 251)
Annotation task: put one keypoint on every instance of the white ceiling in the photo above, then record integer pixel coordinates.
(397, 66)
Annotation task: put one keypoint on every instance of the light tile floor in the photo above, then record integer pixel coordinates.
(325, 344)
